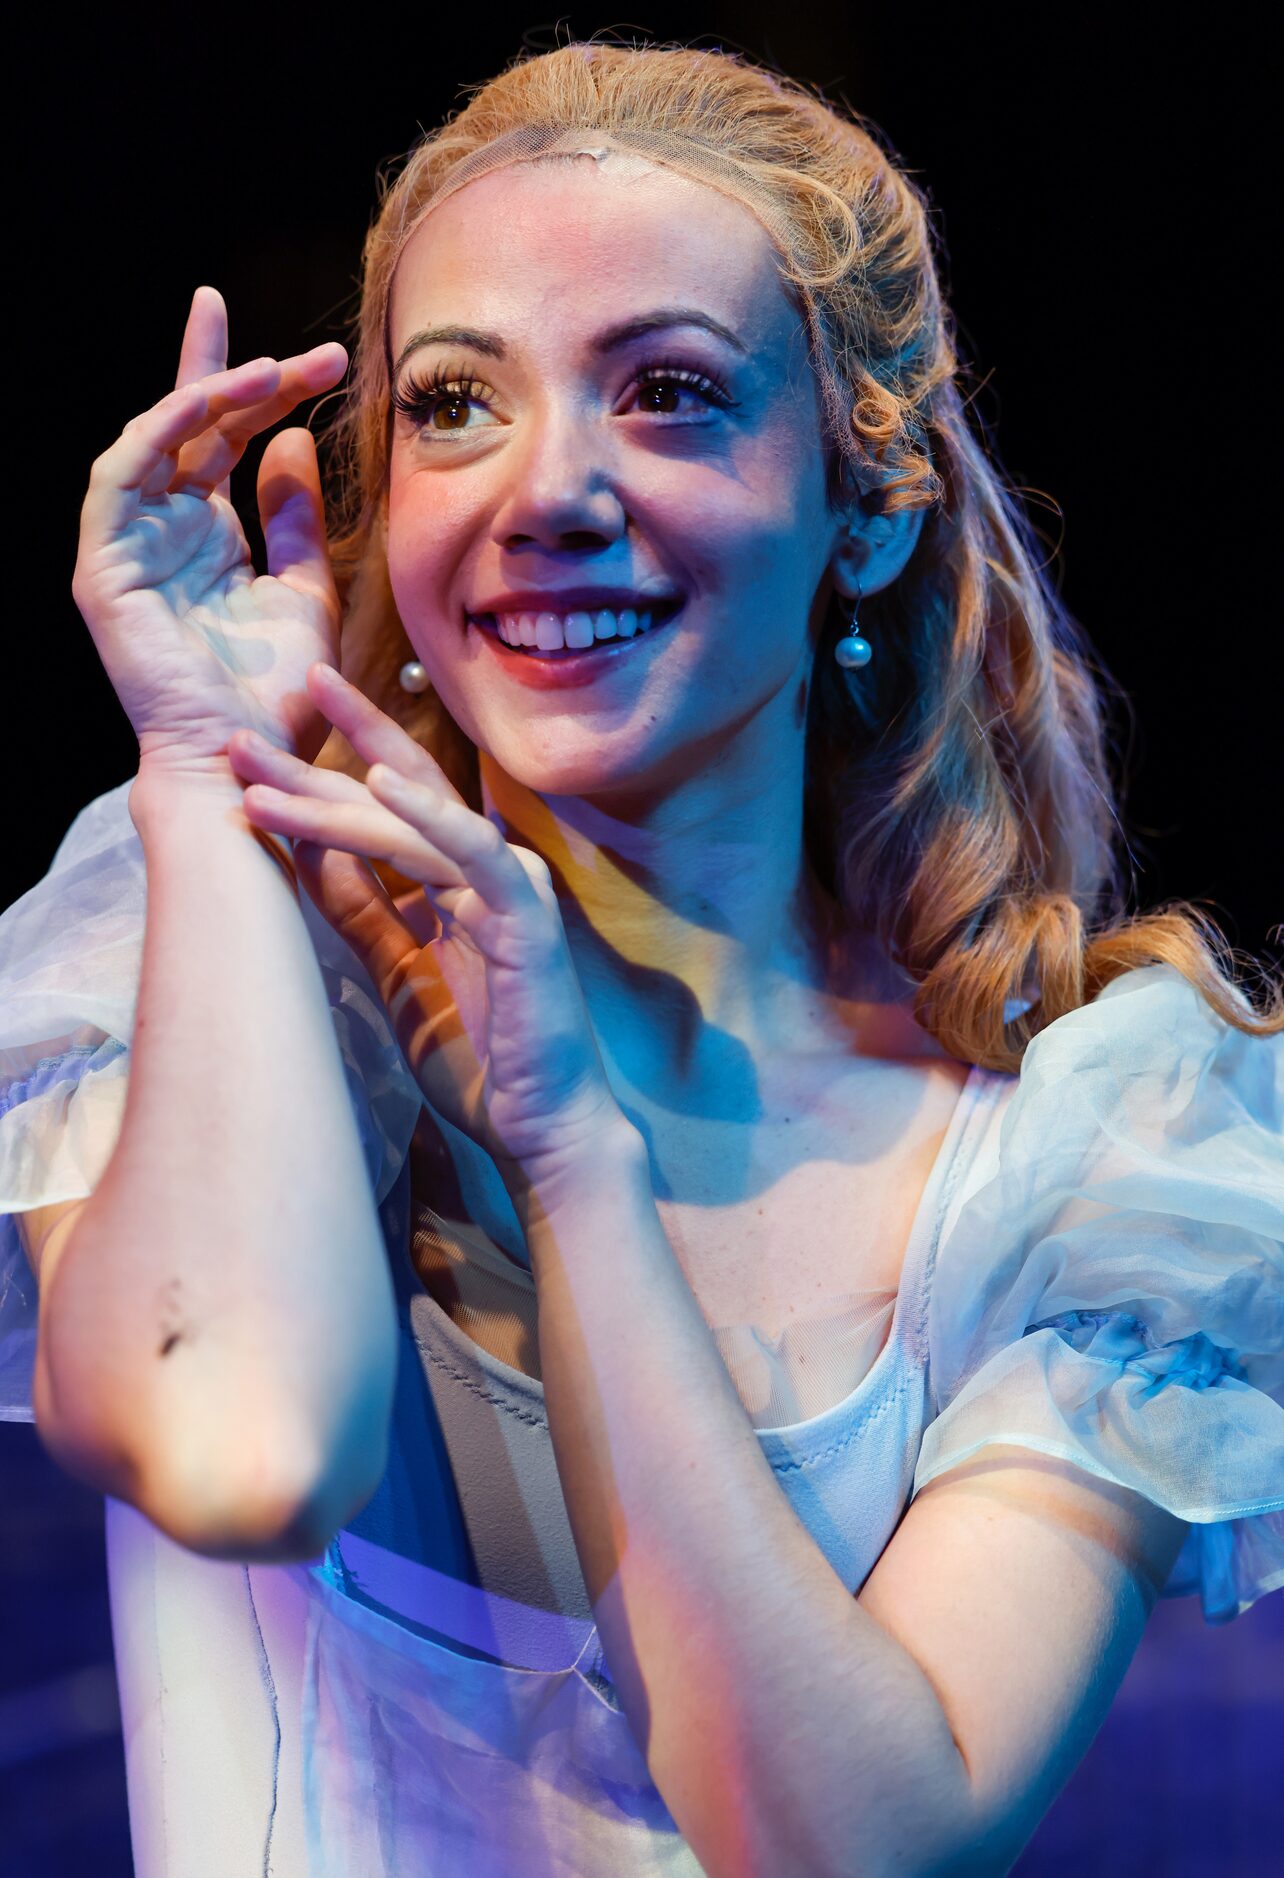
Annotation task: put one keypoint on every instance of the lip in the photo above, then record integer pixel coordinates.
(573, 600)
(567, 668)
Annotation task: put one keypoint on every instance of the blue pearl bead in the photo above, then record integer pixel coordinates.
(853, 652)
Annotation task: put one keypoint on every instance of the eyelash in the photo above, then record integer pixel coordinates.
(417, 397)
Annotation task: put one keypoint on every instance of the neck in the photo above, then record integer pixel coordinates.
(687, 914)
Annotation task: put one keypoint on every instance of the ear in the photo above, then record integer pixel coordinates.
(872, 548)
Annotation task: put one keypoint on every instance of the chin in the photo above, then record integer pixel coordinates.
(586, 776)
(600, 767)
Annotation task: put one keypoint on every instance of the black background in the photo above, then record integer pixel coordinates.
(1101, 190)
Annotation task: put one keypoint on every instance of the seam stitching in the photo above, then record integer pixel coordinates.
(475, 1388)
(269, 1684)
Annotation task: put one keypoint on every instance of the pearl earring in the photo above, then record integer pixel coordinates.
(413, 676)
(852, 651)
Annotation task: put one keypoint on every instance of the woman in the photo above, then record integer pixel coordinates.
(675, 1308)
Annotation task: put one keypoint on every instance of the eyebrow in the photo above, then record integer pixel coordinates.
(611, 340)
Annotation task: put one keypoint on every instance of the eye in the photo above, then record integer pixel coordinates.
(666, 379)
(443, 394)
(447, 393)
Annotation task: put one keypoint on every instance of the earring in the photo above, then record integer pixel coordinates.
(413, 676)
(852, 651)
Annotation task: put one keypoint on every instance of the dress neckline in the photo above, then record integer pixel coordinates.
(905, 1335)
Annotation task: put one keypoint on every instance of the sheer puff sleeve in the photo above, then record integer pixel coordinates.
(70, 957)
(1114, 1295)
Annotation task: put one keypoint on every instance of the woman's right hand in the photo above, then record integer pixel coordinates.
(195, 643)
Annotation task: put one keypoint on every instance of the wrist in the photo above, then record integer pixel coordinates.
(163, 782)
(566, 1186)
(163, 792)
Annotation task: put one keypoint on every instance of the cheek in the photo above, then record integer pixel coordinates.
(405, 536)
(750, 555)
(745, 529)
(721, 540)
(420, 537)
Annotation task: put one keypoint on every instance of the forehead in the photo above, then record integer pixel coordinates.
(539, 245)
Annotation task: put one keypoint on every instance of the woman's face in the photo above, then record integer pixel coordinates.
(571, 466)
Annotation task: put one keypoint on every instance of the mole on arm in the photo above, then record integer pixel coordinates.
(171, 1326)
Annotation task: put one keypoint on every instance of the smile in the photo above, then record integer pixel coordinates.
(572, 637)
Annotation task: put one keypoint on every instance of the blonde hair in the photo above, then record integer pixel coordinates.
(957, 802)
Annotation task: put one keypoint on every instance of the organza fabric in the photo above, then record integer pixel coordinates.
(1114, 1296)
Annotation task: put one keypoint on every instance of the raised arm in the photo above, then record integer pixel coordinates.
(217, 1333)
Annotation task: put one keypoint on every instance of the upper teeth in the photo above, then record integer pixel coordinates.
(547, 632)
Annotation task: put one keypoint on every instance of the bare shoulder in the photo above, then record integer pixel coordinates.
(1021, 1586)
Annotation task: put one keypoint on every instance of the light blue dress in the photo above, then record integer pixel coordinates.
(1095, 1272)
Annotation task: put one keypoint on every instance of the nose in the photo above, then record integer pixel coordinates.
(559, 491)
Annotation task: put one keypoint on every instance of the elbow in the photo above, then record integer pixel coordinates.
(282, 1512)
(260, 1494)
(961, 1846)
(933, 1826)
(230, 1472)
(938, 1857)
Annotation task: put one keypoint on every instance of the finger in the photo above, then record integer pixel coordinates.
(204, 349)
(208, 462)
(292, 512)
(474, 845)
(373, 735)
(258, 759)
(362, 829)
(351, 896)
(143, 460)
(405, 974)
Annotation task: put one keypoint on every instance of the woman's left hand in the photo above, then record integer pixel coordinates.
(489, 1012)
